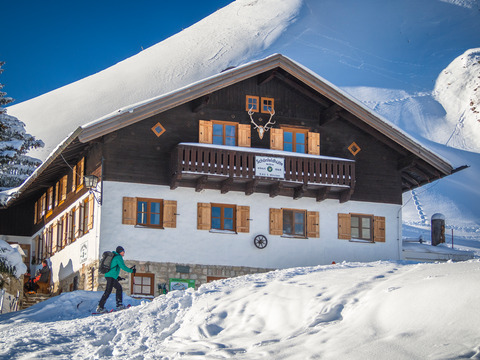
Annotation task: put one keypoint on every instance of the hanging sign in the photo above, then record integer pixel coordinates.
(268, 166)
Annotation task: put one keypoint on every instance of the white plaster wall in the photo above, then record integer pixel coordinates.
(70, 259)
(186, 244)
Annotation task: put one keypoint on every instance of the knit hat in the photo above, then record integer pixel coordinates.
(119, 249)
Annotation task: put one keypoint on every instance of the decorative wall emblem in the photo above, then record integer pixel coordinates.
(158, 129)
(354, 148)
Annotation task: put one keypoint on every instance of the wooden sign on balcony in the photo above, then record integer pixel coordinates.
(268, 166)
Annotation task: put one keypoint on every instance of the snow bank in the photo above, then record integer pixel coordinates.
(345, 311)
(12, 257)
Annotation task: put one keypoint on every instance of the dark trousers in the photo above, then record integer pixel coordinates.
(111, 283)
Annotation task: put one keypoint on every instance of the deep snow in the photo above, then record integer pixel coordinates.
(385, 310)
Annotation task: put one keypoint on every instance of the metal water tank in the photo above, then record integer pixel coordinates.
(438, 229)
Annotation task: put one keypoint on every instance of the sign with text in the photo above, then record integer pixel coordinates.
(269, 166)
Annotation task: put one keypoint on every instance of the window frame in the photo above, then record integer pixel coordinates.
(148, 213)
(264, 103)
(222, 217)
(224, 136)
(143, 275)
(360, 227)
(294, 131)
(292, 213)
(254, 98)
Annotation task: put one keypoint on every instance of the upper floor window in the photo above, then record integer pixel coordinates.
(267, 105)
(259, 104)
(252, 103)
(295, 140)
(224, 133)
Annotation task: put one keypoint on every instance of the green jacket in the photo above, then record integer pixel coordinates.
(116, 265)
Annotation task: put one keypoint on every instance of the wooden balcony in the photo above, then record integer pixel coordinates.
(228, 168)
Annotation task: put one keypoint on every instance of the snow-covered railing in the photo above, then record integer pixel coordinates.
(238, 162)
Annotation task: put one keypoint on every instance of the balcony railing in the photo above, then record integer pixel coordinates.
(239, 164)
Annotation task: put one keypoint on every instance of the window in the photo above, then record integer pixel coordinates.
(224, 133)
(144, 212)
(295, 223)
(88, 208)
(361, 227)
(149, 212)
(252, 103)
(77, 176)
(295, 140)
(223, 217)
(226, 217)
(267, 105)
(143, 284)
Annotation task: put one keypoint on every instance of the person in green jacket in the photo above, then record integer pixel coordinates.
(113, 280)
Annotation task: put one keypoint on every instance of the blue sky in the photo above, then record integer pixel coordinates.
(52, 43)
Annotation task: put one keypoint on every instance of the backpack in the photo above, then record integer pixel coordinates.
(106, 261)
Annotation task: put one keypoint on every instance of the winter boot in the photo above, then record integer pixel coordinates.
(101, 310)
(120, 307)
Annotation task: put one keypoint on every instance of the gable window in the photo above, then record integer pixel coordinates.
(268, 105)
(252, 103)
(223, 217)
(295, 223)
(361, 227)
(224, 133)
(145, 212)
(143, 284)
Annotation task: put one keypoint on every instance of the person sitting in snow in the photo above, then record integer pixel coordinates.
(113, 280)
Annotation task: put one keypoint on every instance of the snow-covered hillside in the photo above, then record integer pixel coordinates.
(410, 61)
(381, 310)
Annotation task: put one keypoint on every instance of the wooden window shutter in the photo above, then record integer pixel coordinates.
(54, 241)
(74, 178)
(205, 132)
(244, 135)
(64, 187)
(313, 224)
(35, 213)
(79, 219)
(81, 170)
(276, 139)
(243, 222)
(379, 229)
(57, 188)
(204, 216)
(169, 213)
(314, 143)
(344, 226)
(91, 206)
(70, 227)
(129, 213)
(66, 224)
(276, 222)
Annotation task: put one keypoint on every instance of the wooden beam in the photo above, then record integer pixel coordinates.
(331, 113)
(406, 162)
(275, 189)
(298, 192)
(201, 182)
(226, 185)
(345, 196)
(265, 77)
(174, 181)
(251, 186)
(200, 103)
(409, 179)
(304, 91)
(322, 193)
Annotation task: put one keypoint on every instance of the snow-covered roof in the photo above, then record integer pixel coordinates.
(142, 110)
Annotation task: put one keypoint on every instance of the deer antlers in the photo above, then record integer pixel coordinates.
(262, 129)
